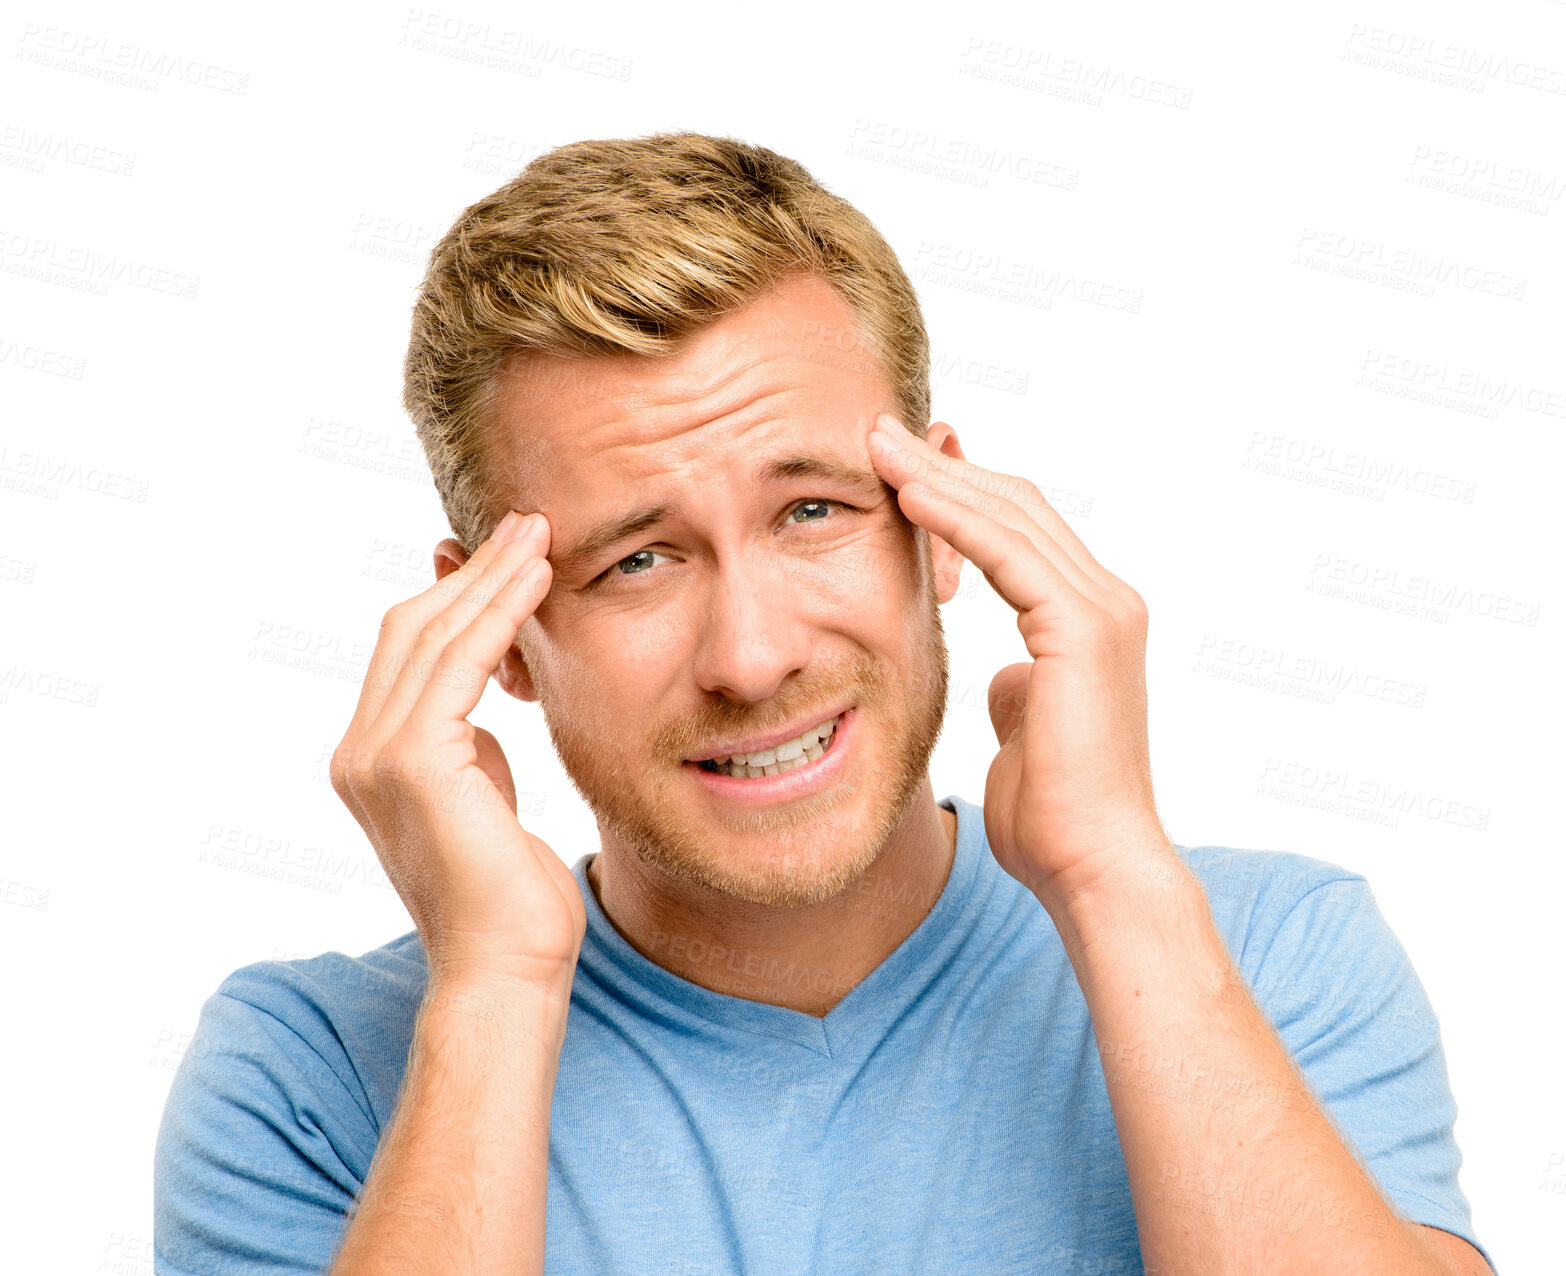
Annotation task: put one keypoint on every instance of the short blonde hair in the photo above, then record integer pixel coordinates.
(626, 246)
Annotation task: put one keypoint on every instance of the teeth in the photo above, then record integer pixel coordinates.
(804, 748)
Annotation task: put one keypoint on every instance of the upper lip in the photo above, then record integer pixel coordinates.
(757, 743)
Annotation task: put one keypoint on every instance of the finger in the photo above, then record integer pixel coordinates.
(464, 666)
(416, 622)
(912, 468)
(930, 465)
(1023, 575)
(517, 561)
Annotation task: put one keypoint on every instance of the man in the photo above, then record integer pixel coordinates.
(794, 1015)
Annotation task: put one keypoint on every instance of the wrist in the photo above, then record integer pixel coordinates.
(1147, 914)
(1134, 861)
(474, 998)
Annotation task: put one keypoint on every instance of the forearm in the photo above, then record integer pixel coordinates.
(1233, 1165)
(460, 1178)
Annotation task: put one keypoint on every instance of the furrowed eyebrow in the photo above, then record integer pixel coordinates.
(794, 467)
(607, 533)
(612, 531)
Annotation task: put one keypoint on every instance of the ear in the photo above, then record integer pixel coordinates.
(512, 675)
(948, 562)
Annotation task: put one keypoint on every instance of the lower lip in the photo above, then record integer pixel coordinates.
(796, 783)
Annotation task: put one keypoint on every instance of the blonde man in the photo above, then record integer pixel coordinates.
(793, 1015)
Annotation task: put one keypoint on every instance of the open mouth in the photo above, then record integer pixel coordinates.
(780, 758)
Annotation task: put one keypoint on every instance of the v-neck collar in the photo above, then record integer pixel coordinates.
(864, 1002)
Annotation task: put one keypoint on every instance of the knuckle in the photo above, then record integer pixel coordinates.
(337, 772)
(396, 616)
(392, 763)
(1130, 608)
(1017, 542)
(1101, 626)
(457, 668)
(345, 765)
(435, 630)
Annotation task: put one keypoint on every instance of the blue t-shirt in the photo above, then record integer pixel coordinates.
(948, 1115)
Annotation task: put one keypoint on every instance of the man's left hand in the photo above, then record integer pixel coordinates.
(1069, 796)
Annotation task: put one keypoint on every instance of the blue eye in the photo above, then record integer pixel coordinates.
(641, 562)
(631, 558)
(820, 505)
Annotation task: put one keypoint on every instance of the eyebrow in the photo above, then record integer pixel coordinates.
(611, 531)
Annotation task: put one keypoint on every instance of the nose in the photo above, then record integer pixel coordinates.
(753, 631)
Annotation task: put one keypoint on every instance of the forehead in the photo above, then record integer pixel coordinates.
(788, 369)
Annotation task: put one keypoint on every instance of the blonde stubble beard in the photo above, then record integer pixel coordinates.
(799, 877)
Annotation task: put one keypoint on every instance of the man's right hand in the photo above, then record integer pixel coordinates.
(434, 793)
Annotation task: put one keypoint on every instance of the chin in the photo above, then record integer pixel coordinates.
(794, 859)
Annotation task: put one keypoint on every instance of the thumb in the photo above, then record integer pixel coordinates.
(1008, 698)
(492, 761)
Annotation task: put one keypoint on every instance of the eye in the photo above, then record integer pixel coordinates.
(822, 506)
(640, 563)
(639, 558)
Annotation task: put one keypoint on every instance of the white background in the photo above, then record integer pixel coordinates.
(1285, 352)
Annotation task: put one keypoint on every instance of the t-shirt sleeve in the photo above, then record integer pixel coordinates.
(1345, 999)
(249, 1172)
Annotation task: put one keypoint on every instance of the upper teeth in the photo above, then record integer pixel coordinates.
(788, 750)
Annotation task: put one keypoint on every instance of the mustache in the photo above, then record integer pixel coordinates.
(858, 685)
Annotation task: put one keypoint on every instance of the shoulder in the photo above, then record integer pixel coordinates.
(276, 1109)
(367, 987)
(341, 1017)
(1259, 897)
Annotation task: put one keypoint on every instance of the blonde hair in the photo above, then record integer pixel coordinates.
(627, 246)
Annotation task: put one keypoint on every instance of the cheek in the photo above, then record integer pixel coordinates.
(874, 578)
(873, 575)
(612, 660)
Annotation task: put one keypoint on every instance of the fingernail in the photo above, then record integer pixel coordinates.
(503, 528)
(522, 527)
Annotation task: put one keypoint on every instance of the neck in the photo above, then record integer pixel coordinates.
(760, 953)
